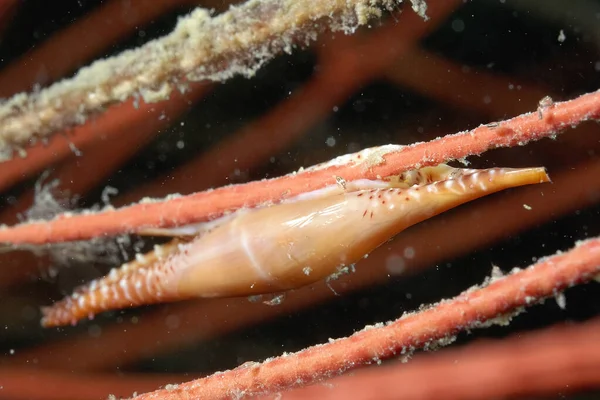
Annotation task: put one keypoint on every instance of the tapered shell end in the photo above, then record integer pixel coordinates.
(528, 176)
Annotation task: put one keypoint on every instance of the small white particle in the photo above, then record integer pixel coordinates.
(561, 300)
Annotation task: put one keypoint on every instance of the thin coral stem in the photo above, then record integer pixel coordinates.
(211, 204)
(114, 123)
(444, 80)
(79, 42)
(475, 90)
(436, 325)
(201, 47)
(38, 384)
(560, 359)
(124, 130)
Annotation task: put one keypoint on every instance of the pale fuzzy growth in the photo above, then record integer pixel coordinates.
(48, 202)
(201, 47)
(367, 157)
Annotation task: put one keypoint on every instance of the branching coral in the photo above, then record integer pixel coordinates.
(472, 309)
(345, 65)
(201, 47)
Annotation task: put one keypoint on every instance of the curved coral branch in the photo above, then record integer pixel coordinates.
(548, 121)
(496, 302)
(80, 41)
(560, 359)
(114, 124)
(201, 47)
(40, 384)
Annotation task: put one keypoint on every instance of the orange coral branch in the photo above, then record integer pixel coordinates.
(210, 204)
(560, 359)
(444, 80)
(116, 122)
(36, 384)
(201, 47)
(106, 143)
(473, 308)
(79, 42)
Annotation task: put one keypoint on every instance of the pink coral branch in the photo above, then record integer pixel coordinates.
(106, 143)
(79, 42)
(203, 206)
(115, 123)
(560, 359)
(432, 326)
(39, 384)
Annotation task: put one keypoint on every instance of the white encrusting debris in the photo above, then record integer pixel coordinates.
(201, 47)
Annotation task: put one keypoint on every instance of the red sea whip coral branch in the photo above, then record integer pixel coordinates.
(547, 121)
(556, 360)
(478, 307)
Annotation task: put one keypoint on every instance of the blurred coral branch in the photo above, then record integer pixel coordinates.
(241, 39)
(116, 123)
(33, 383)
(177, 211)
(495, 303)
(69, 49)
